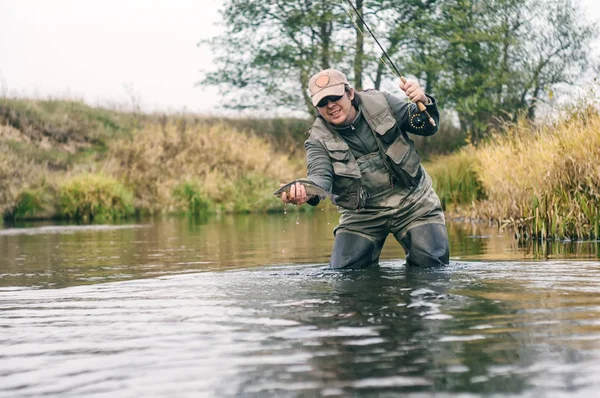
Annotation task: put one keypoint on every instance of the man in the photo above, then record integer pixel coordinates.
(359, 149)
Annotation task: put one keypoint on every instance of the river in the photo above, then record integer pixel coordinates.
(245, 306)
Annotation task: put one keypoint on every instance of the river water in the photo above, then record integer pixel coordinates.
(244, 306)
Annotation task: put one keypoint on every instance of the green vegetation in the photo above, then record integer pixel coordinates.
(544, 180)
(190, 199)
(66, 159)
(541, 180)
(93, 197)
(481, 59)
(455, 180)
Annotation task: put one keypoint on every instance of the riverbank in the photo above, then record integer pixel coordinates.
(61, 159)
(542, 181)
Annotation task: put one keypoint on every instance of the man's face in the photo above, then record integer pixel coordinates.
(340, 112)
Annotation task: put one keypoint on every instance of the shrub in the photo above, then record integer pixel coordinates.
(160, 159)
(190, 198)
(94, 197)
(455, 179)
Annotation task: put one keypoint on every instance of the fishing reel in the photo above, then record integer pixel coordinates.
(417, 121)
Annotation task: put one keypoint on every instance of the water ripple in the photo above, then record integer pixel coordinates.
(300, 330)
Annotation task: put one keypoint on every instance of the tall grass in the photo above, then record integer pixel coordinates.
(171, 163)
(233, 169)
(96, 197)
(544, 181)
(455, 180)
(20, 178)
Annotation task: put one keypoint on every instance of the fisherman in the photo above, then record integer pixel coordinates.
(359, 150)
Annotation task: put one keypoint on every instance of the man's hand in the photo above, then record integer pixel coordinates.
(414, 91)
(297, 194)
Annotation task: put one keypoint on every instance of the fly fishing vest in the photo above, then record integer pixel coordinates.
(400, 157)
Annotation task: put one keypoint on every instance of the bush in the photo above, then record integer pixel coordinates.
(161, 159)
(28, 203)
(94, 197)
(190, 198)
(455, 179)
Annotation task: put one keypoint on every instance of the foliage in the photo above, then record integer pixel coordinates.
(487, 61)
(96, 197)
(29, 203)
(190, 198)
(70, 125)
(544, 180)
(159, 158)
(455, 179)
(19, 175)
(270, 48)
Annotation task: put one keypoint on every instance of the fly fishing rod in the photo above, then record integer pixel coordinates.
(420, 104)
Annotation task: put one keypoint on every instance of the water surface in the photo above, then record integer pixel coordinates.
(245, 306)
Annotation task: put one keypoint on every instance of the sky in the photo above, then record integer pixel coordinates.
(120, 53)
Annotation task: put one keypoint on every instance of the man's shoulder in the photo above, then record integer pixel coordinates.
(318, 130)
(369, 91)
(376, 94)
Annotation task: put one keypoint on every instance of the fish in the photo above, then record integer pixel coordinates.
(312, 189)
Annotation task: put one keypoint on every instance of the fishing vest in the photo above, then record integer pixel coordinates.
(400, 158)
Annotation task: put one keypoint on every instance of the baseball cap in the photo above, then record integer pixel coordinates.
(326, 82)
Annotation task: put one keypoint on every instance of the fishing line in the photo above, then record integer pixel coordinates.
(381, 59)
(420, 105)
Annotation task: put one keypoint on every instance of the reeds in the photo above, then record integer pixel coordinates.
(51, 150)
(544, 181)
(455, 180)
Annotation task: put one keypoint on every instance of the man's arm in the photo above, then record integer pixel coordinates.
(319, 168)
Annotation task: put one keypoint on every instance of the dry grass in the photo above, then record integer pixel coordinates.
(545, 181)
(455, 180)
(217, 159)
(17, 174)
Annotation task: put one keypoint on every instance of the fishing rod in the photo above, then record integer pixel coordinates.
(420, 104)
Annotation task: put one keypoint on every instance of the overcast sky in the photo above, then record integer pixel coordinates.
(116, 51)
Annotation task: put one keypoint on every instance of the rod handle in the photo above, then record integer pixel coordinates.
(421, 106)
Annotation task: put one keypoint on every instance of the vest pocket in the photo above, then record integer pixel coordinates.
(405, 162)
(346, 169)
(338, 151)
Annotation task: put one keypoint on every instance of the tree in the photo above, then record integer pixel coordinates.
(483, 59)
(270, 49)
(491, 63)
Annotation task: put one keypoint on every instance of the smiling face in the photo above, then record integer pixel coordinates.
(340, 112)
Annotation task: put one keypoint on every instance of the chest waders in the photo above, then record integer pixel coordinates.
(407, 206)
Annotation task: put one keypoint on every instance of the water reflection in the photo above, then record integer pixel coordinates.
(59, 256)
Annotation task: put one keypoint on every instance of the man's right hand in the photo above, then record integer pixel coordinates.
(297, 195)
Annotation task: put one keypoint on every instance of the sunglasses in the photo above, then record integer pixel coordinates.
(328, 99)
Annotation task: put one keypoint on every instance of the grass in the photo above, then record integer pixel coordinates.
(171, 164)
(94, 197)
(544, 181)
(232, 169)
(65, 158)
(456, 181)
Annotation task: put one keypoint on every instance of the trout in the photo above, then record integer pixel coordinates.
(311, 188)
